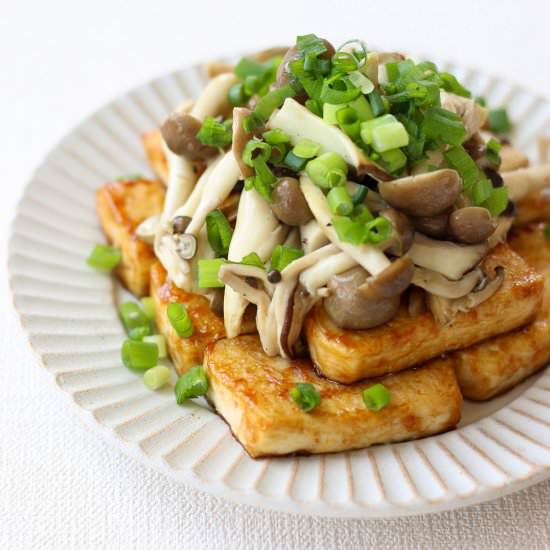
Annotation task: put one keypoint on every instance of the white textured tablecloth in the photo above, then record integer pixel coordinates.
(61, 486)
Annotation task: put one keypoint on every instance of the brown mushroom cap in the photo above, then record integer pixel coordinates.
(471, 225)
(433, 226)
(179, 132)
(390, 282)
(350, 309)
(288, 202)
(423, 194)
(403, 231)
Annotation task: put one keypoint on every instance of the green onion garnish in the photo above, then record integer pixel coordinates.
(265, 107)
(310, 45)
(134, 320)
(159, 341)
(219, 232)
(349, 122)
(392, 71)
(208, 273)
(237, 95)
(338, 89)
(305, 396)
(451, 84)
(104, 257)
(293, 162)
(376, 397)
(359, 80)
(276, 137)
(493, 152)
(480, 100)
(339, 201)
(462, 162)
(344, 62)
(378, 230)
(314, 106)
(157, 377)
(283, 255)
(442, 126)
(499, 122)
(253, 259)
(193, 383)
(139, 355)
(360, 195)
(214, 133)
(481, 191)
(376, 103)
(393, 160)
(362, 108)
(180, 320)
(497, 201)
(148, 307)
(306, 149)
(328, 170)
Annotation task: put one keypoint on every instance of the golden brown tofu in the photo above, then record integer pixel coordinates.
(493, 366)
(533, 207)
(121, 207)
(208, 327)
(152, 143)
(251, 391)
(350, 355)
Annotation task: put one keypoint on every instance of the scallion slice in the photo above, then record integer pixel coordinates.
(157, 377)
(193, 383)
(104, 257)
(442, 126)
(283, 255)
(339, 201)
(134, 320)
(481, 191)
(499, 122)
(376, 103)
(219, 232)
(497, 201)
(139, 355)
(208, 273)
(159, 341)
(306, 149)
(359, 80)
(338, 89)
(376, 397)
(253, 259)
(214, 133)
(462, 162)
(360, 195)
(349, 122)
(237, 95)
(393, 160)
(305, 396)
(148, 307)
(276, 137)
(378, 230)
(180, 320)
(265, 107)
(293, 162)
(328, 170)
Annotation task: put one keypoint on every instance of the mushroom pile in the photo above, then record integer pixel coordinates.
(360, 180)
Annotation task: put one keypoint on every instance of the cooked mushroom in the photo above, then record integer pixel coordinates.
(403, 232)
(437, 284)
(348, 306)
(240, 139)
(288, 202)
(417, 301)
(179, 132)
(148, 228)
(312, 236)
(512, 159)
(215, 297)
(426, 194)
(180, 223)
(390, 282)
(475, 146)
(186, 245)
(213, 100)
(450, 259)
(433, 226)
(471, 225)
(523, 181)
(299, 122)
(472, 113)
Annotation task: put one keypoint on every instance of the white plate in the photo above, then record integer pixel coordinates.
(69, 314)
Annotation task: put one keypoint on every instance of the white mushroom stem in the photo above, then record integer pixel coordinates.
(472, 113)
(312, 236)
(369, 257)
(318, 275)
(257, 230)
(512, 159)
(217, 188)
(525, 180)
(299, 123)
(213, 99)
(437, 284)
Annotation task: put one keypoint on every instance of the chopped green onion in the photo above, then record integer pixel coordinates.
(376, 103)
(253, 259)
(256, 150)
(248, 67)
(317, 67)
(283, 255)
(359, 80)
(481, 191)
(360, 195)
(393, 160)
(462, 162)
(193, 383)
(338, 90)
(344, 62)
(443, 126)
(547, 231)
(130, 177)
(104, 257)
(148, 307)
(208, 273)
(139, 355)
(276, 137)
(133, 318)
(451, 84)
(378, 230)
(327, 170)
(392, 71)
(310, 45)
(480, 100)
(499, 123)
(362, 108)
(498, 201)
(306, 149)
(293, 162)
(214, 133)
(329, 112)
(493, 152)
(237, 96)
(348, 230)
(369, 125)
(339, 201)
(219, 232)
(265, 107)
(157, 377)
(314, 107)
(159, 341)
(376, 397)
(389, 136)
(305, 396)
(179, 319)
(349, 122)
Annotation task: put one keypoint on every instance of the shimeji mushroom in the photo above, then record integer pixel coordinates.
(257, 230)
(435, 283)
(312, 236)
(472, 113)
(512, 159)
(525, 180)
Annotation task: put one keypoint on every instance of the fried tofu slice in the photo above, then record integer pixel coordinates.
(152, 144)
(251, 391)
(121, 207)
(208, 327)
(350, 355)
(493, 366)
(533, 207)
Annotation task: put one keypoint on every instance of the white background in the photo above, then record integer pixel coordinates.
(60, 485)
